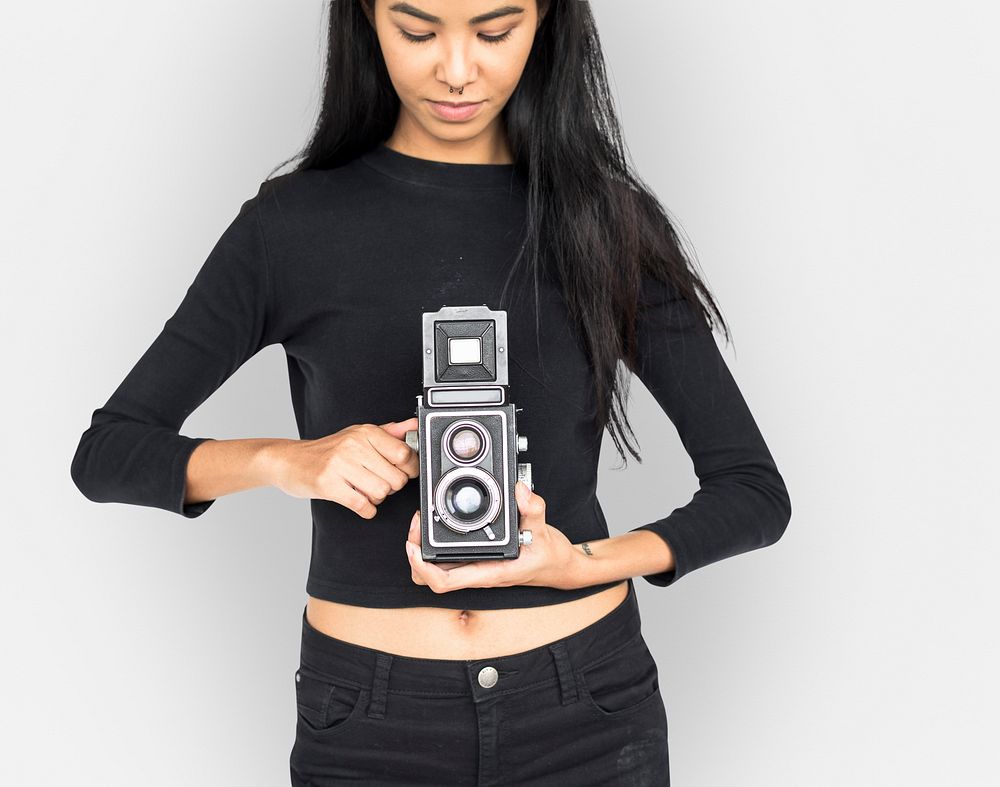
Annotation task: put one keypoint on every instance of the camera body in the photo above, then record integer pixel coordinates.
(467, 438)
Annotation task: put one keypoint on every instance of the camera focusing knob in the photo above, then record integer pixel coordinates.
(524, 537)
(412, 439)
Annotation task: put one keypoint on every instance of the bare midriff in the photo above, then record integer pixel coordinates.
(439, 633)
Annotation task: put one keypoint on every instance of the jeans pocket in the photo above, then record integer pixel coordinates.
(623, 683)
(326, 705)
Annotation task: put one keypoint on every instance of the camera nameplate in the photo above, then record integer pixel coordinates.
(466, 395)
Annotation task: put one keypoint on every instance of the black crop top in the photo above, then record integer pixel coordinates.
(337, 266)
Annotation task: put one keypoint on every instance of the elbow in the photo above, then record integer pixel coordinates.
(79, 468)
(90, 468)
(766, 506)
(780, 506)
(121, 460)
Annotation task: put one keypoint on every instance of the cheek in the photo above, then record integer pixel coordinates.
(509, 65)
(509, 69)
(402, 70)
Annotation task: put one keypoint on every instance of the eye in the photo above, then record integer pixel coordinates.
(423, 39)
(415, 39)
(495, 39)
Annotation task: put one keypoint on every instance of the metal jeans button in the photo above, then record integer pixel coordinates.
(488, 677)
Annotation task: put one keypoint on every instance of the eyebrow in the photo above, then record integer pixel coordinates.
(406, 8)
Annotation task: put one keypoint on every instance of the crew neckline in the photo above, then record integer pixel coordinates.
(441, 173)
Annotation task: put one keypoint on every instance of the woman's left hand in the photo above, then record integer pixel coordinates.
(549, 559)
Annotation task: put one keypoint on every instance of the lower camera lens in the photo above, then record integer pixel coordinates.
(467, 499)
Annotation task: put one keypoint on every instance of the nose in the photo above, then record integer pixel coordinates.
(458, 67)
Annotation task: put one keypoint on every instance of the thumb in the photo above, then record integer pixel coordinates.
(522, 493)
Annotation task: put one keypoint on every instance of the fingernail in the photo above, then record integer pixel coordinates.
(409, 549)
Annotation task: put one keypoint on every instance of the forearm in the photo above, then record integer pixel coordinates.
(632, 554)
(223, 467)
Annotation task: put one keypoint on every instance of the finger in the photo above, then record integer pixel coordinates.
(479, 573)
(372, 485)
(414, 573)
(476, 573)
(417, 565)
(353, 499)
(414, 534)
(412, 465)
(449, 567)
(414, 537)
(388, 475)
(398, 429)
(398, 456)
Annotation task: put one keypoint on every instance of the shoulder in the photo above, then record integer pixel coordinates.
(300, 188)
(299, 198)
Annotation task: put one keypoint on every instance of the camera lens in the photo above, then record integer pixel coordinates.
(466, 443)
(467, 499)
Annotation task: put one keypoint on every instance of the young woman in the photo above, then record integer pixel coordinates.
(463, 148)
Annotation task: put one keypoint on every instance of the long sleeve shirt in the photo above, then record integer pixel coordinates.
(338, 266)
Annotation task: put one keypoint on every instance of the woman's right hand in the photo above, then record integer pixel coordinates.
(358, 467)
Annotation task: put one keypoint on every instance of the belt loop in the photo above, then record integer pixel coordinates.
(380, 685)
(567, 683)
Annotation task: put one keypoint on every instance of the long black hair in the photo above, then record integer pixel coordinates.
(592, 223)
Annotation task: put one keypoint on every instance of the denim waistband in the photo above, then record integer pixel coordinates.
(364, 667)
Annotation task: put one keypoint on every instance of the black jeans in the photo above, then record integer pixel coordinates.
(582, 710)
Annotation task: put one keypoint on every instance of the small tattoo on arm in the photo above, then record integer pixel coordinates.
(586, 548)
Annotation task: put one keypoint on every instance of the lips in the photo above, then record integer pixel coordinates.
(452, 111)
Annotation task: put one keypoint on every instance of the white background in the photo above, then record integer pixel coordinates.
(834, 167)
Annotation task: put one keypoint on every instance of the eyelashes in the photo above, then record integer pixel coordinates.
(423, 39)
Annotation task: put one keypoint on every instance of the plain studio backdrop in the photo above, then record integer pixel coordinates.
(834, 167)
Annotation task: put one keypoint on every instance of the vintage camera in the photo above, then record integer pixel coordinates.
(467, 439)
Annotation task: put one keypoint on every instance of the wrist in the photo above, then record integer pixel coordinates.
(583, 570)
(268, 460)
(631, 554)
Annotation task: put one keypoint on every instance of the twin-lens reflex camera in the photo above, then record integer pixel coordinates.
(467, 439)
